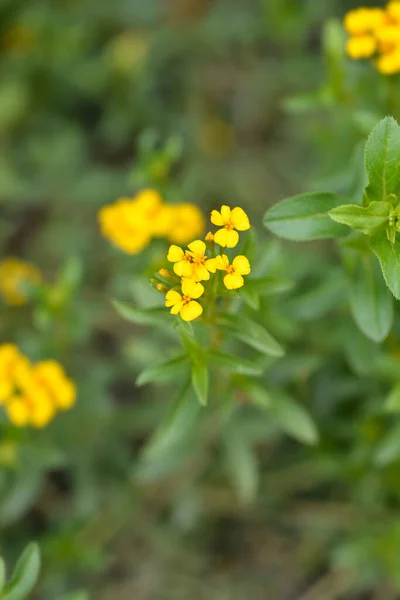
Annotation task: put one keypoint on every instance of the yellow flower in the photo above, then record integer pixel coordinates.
(389, 63)
(234, 273)
(363, 46)
(185, 304)
(15, 276)
(18, 411)
(192, 263)
(124, 225)
(209, 237)
(187, 223)
(50, 375)
(393, 11)
(229, 220)
(364, 20)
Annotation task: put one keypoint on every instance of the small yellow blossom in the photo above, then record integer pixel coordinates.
(15, 276)
(192, 263)
(364, 20)
(393, 11)
(209, 237)
(32, 394)
(187, 223)
(389, 64)
(363, 46)
(230, 221)
(185, 304)
(234, 272)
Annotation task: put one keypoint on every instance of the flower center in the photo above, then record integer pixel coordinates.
(229, 225)
(200, 260)
(188, 258)
(230, 269)
(186, 299)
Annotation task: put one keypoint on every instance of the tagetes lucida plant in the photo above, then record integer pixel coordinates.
(193, 264)
(375, 33)
(32, 394)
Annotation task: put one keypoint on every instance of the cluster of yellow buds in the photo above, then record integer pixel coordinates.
(32, 393)
(375, 33)
(131, 223)
(193, 266)
(15, 277)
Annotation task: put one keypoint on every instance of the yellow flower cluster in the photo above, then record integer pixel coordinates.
(375, 32)
(131, 223)
(193, 265)
(15, 276)
(32, 393)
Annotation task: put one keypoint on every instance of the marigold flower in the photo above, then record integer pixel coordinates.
(186, 304)
(192, 263)
(364, 20)
(187, 223)
(361, 46)
(183, 260)
(234, 272)
(229, 220)
(209, 237)
(15, 276)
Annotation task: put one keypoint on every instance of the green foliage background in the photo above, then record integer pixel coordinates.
(233, 102)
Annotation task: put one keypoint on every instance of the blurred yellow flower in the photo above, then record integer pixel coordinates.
(185, 304)
(16, 276)
(230, 221)
(234, 272)
(32, 394)
(375, 32)
(187, 223)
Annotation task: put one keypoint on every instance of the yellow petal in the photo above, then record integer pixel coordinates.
(216, 218)
(191, 288)
(241, 265)
(18, 411)
(210, 264)
(233, 281)
(198, 247)
(172, 297)
(6, 389)
(221, 262)
(239, 219)
(191, 311)
(226, 213)
(221, 237)
(183, 268)
(176, 309)
(232, 238)
(175, 254)
(200, 273)
(66, 395)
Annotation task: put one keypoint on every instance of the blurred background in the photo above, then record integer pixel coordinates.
(212, 102)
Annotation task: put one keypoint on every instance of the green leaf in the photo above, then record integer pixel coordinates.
(241, 464)
(164, 371)
(268, 286)
(366, 219)
(259, 395)
(382, 159)
(76, 596)
(2, 575)
(389, 257)
(140, 316)
(293, 418)
(234, 364)
(392, 402)
(305, 217)
(181, 417)
(200, 381)
(24, 575)
(250, 296)
(370, 300)
(252, 333)
(389, 449)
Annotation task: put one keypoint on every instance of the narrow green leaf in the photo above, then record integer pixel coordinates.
(164, 371)
(176, 426)
(2, 575)
(200, 381)
(250, 296)
(365, 219)
(252, 333)
(305, 217)
(241, 464)
(389, 258)
(24, 575)
(392, 402)
(268, 286)
(259, 395)
(234, 364)
(370, 300)
(382, 159)
(140, 316)
(293, 418)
